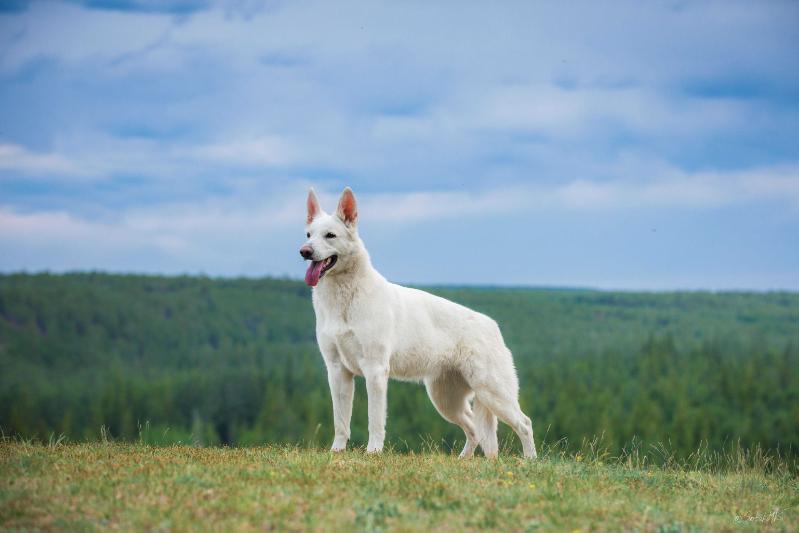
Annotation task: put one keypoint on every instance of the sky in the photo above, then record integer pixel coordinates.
(623, 145)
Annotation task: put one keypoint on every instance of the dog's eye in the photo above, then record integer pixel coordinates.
(330, 236)
(308, 234)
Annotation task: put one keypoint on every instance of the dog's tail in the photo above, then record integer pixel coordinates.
(486, 425)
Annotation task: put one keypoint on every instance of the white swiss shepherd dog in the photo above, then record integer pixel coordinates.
(369, 327)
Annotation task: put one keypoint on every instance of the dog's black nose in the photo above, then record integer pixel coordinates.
(306, 251)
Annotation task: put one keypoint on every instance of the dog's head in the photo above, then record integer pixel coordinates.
(332, 239)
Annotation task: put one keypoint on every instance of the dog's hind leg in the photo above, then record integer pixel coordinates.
(496, 388)
(506, 406)
(486, 423)
(450, 395)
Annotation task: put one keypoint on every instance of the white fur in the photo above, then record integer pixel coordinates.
(370, 327)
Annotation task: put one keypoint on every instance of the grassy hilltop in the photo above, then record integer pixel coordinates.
(138, 487)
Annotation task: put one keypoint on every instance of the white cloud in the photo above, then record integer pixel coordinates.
(556, 114)
(269, 150)
(330, 106)
(93, 158)
(699, 190)
(103, 157)
(219, 232)
(72, 34)
(662, 189)
(571, 112)
(221, 237)
(18, 158)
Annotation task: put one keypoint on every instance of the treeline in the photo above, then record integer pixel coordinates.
(234, 361)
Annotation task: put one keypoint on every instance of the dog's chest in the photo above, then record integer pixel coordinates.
(358, 322)
(350, 350)
(335, 328)
(348, 346)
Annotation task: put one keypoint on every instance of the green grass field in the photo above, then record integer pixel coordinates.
(134, 486)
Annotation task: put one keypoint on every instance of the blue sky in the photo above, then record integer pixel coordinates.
(633, 145)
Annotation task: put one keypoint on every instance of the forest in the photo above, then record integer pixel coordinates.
(211, 361)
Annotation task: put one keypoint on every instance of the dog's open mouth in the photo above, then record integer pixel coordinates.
(317, 269)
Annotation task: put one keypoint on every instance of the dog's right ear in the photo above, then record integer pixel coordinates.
(313, 206)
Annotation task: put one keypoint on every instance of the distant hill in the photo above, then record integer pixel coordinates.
(235, 361)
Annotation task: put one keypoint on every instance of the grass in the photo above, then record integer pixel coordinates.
(136, 486)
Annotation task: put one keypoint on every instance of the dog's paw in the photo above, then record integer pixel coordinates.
(338, 445)
(374, 448)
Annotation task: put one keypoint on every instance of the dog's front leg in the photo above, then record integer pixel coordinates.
(376, 375)
(341, 389)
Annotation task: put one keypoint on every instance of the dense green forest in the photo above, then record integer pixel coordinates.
(235, 361)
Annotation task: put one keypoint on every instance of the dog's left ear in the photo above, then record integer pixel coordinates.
(347, 208)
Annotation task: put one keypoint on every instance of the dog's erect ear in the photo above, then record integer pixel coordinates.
(347, 208)
(313, 206)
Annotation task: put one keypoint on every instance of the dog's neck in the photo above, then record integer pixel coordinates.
(343, 286)
(358, 267)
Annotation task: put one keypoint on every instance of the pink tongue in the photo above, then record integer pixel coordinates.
(313, 273)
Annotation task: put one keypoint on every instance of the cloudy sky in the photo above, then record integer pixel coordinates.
(640, 145)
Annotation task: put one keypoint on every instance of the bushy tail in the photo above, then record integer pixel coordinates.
(486, 424)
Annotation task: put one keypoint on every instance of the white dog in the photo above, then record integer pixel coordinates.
(369, 327)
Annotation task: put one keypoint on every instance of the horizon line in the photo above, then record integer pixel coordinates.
(433, 285)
